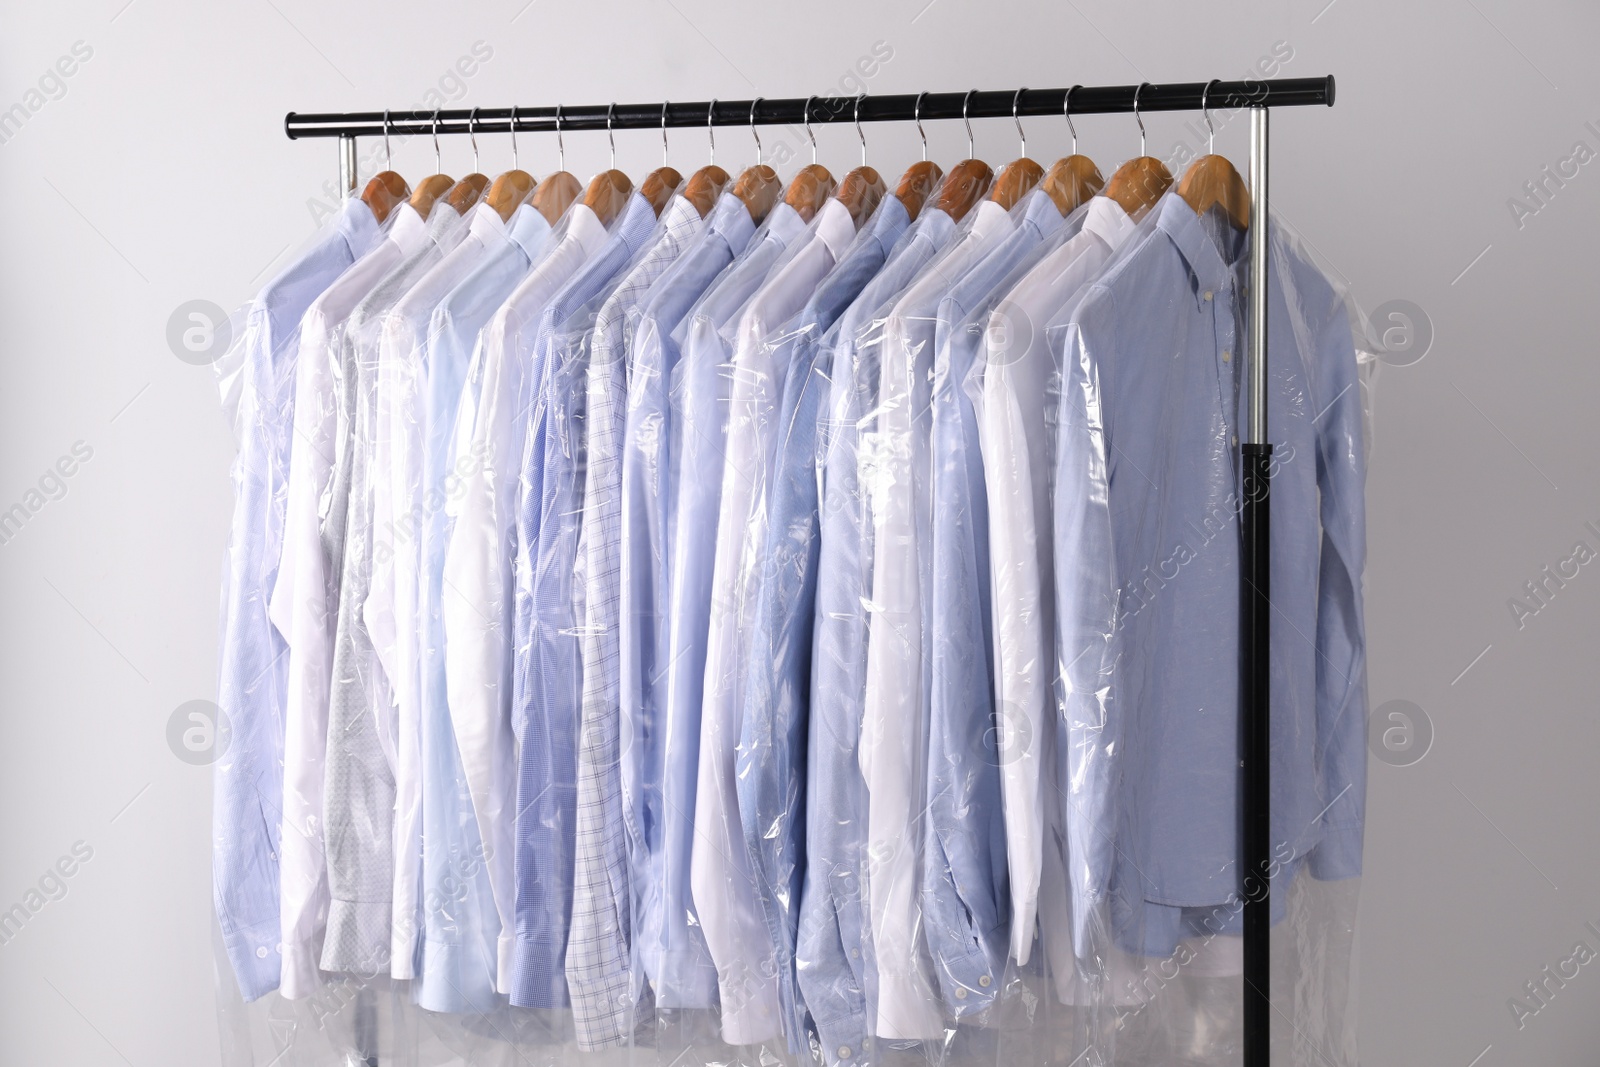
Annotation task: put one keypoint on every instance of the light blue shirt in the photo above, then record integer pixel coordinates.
(460, 924)
(1147, 492)
(771, 767)
(671, 949)
(965, 897)
(547, 673)
(247, 812)
(833, 954)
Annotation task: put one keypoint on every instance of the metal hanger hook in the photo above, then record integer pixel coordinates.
(472, 135)
(753, 132)
(1211, 131)
(711, 130)
(663, 133)
(1016, 101)
(1138, 117)
(916, 114)
(1066, 109)
(610, 136)
(859, 134)
(561, 145)
(805, 119)
(516, 160)
(388, 159)
(964, 102)
(438, 167)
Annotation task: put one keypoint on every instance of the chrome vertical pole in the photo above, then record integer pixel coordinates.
(347, 164)
(1255, 607)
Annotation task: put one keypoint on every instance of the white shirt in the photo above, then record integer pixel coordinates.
(893, 724)
(305, 598)
(736, 929)
(477, 608)
(1019, 378)
(391, 611)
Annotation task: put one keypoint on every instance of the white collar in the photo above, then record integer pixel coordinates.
(835, 227)
(1106, 220)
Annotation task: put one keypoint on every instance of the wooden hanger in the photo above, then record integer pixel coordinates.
(810, 188)
(430, 189)
(967, 181)
(1018, 177)
(513, 188)
(862, 189)
(921, 178)
(1141, 181)
(387, 190)
(557, 192)
(662, 182)
(608, 191)
(1212, 180)
(758, 187)
(1071, 180)
(466, 193)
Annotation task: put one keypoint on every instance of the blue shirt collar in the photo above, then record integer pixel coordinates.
(730, 220)
(529, 229)
(1184, 228)
(1038, 211)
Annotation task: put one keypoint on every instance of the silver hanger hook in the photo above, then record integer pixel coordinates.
(610, 136)
(1066, 109)
(388, 159)
(916, 114)
(711, 130)
(438, 167)
(1015, 103)
(561, 145)
(964, 102)
(1211, 131)
(663, 133)
(753, 132)
(516, 160)
(858, 129)
(472, 135)
(805, 119)
(1138, 117)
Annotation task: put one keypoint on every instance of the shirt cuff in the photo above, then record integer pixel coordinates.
(844, 1039)
(253, 951)
(1337, 855)
(357, 941)
(755, 1020)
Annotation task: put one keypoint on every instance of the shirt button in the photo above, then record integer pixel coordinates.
(1235, 438)
(855, 954)
(961, 994)
(1226, 355)
(261, 953)
(844, 1052)
(985, 981)
(1208, 294)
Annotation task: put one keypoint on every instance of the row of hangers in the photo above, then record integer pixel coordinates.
(1210, 181)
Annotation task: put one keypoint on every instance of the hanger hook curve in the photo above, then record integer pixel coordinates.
(1211, 131)
(516, 160)
(610, 136)
(472, 135)
(860, 134)
(1138, 117)
(663, 133)
(805, 118)
(438, 167)
(916, 114)
(1066, 109)
(561, 144)
(388, 159)
(964, 102)
(711, 130)
(753, 132)
(1016, 102)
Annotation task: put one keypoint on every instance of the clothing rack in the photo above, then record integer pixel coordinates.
(1255, 736)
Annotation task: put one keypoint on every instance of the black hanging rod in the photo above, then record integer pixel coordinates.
(987, 104)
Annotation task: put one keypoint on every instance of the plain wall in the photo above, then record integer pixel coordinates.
(158, 173)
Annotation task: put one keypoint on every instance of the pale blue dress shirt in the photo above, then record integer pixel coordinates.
(460, 924)
(771, 767)
(1147, 492)
(547, 672)
(833, 943)
(965, 896)
(671, 949)
(247, 811)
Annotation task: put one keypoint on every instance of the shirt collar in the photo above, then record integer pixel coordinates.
(1105, 219)
(486, 223)
(889, 221)
(783, 223)
(635, 224)
(585, 227)
(935, 224)
(409, 230)
(358, 224)
(989, 218)
(1039, 211)
(528, 229)
(1178, 221)
(835, 227)
(730, 220)
(678, 213)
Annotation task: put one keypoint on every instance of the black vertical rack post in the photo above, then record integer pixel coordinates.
(1259, 97)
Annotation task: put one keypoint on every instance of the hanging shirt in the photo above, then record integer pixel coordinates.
(358, 798)
(964, 895)
(546, 676)
(1147, 495)
(770, 773)
(833, 953)
(1017, 381)
(247, 814)
(477, 612)
(736, 930)
(894, 730)
(601, 980)
(658, 792)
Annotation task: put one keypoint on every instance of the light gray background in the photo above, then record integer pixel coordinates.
(162, 175)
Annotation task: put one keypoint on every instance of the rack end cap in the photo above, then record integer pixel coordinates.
(1330, 90)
